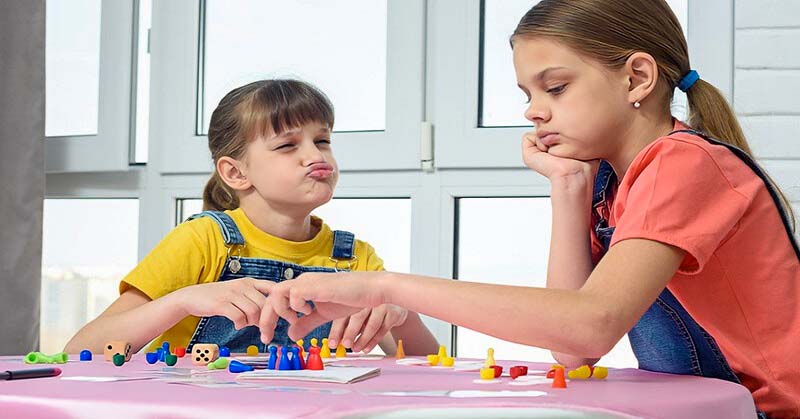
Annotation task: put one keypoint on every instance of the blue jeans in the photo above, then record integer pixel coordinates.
(219, 329)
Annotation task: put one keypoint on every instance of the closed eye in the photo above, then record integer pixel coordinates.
(284, 146)
(324, 141)
(557, 90)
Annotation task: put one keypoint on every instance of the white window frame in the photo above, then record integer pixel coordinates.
(177, 75)
(109, 149)
(454, 57)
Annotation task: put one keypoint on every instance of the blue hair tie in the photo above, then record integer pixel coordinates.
(688, 80)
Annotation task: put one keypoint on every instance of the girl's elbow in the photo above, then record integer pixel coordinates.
(601, 334)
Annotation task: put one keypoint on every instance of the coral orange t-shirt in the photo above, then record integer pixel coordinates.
(740, 279)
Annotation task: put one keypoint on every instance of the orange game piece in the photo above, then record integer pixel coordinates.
(558, 380)
(400, 354)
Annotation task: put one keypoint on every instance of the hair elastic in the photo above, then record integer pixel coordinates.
(688, 80)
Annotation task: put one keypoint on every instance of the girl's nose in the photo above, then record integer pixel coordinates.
(537, 112)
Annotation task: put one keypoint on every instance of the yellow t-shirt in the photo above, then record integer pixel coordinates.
(195, 253)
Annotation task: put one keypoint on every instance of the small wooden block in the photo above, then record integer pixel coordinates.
(204, 353)
(117, 347)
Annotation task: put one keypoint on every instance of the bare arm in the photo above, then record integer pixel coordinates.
(417, 339)
(133, 317)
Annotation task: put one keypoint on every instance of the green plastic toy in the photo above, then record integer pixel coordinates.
(219, 364)
(40, 358)
(119, 360)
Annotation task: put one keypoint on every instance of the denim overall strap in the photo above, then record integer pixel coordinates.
(666, 338)
(230, 232)
(343, 249)
(771, 188)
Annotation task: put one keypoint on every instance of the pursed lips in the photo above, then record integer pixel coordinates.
(320, 171)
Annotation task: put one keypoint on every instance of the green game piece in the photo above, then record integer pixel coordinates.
(40, 358)
(119, 360)
(219, 364)
(171, 359)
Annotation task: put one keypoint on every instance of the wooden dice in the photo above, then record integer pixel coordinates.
(204, 353)
(117, 347)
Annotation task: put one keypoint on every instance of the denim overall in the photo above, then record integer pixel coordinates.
(666, 338)
(219, 329)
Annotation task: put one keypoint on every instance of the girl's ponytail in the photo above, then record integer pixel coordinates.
(217, 196)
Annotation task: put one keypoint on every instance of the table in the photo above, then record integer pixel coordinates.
(625, 393)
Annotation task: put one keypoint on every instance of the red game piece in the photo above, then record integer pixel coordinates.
(518, 371)
(180, 351)
(314, 359)
(302, 358)
(498, 370)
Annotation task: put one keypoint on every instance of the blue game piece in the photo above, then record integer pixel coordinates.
(162, 354)
(236, 366)
(286, 362)
(86, 355)
(273, 357)
(152, 357)
(224, 352)
(165, 346)
(296, 365)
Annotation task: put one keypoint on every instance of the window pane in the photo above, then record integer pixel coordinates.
(83, 262)
(364, 217)
(340, 46)
(503, 103)
(72, 55)
(512, 249)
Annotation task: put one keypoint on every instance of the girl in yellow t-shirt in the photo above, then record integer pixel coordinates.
(207, 280)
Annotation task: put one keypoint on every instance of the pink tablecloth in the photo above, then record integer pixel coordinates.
(625, 393)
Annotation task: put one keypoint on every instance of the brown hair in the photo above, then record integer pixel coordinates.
(258, 109)
(610, 31)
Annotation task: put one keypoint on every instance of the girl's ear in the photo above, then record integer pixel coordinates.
(642, 71)
(230, 173)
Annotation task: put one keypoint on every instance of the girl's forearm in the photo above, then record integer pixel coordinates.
(137, 326)
(527, 315)
(417, 339)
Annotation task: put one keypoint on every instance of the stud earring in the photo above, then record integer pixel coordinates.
(637, 105)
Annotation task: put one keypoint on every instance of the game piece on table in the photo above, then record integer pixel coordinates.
(252, 350)
(581, 373)
(487, 373)
(180, 351)
(518, 371)
(40, 358)
(498, 370)
(558, 379)
(236, 367)
(341, 351)
(203, 353)
(489, 358)
(171, 359)
(151, 357)
(273, 357)
(224, 352)
(325, 350)
(285, 363)
(551, 373)
(165, 347)
(117, 347)
(118, 360)
(302, 354)
(442, 351)
(219, 364)
(162, 354)
(400, 354)
(295, 362)
(448, 361)
(433, 360)
(314, 359)
(600, 373)
(314, 341)
(86, 355)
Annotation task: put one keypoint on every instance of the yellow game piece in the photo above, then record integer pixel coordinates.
(341, 352)
(600, 373)
(433, 359)
(400, 354)
(442, 351)
(314, 342)
(302, 350)
(252, 350)
(581, 373)
(448, 361)
(489, 358)
(487, 373)
(325, 351)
